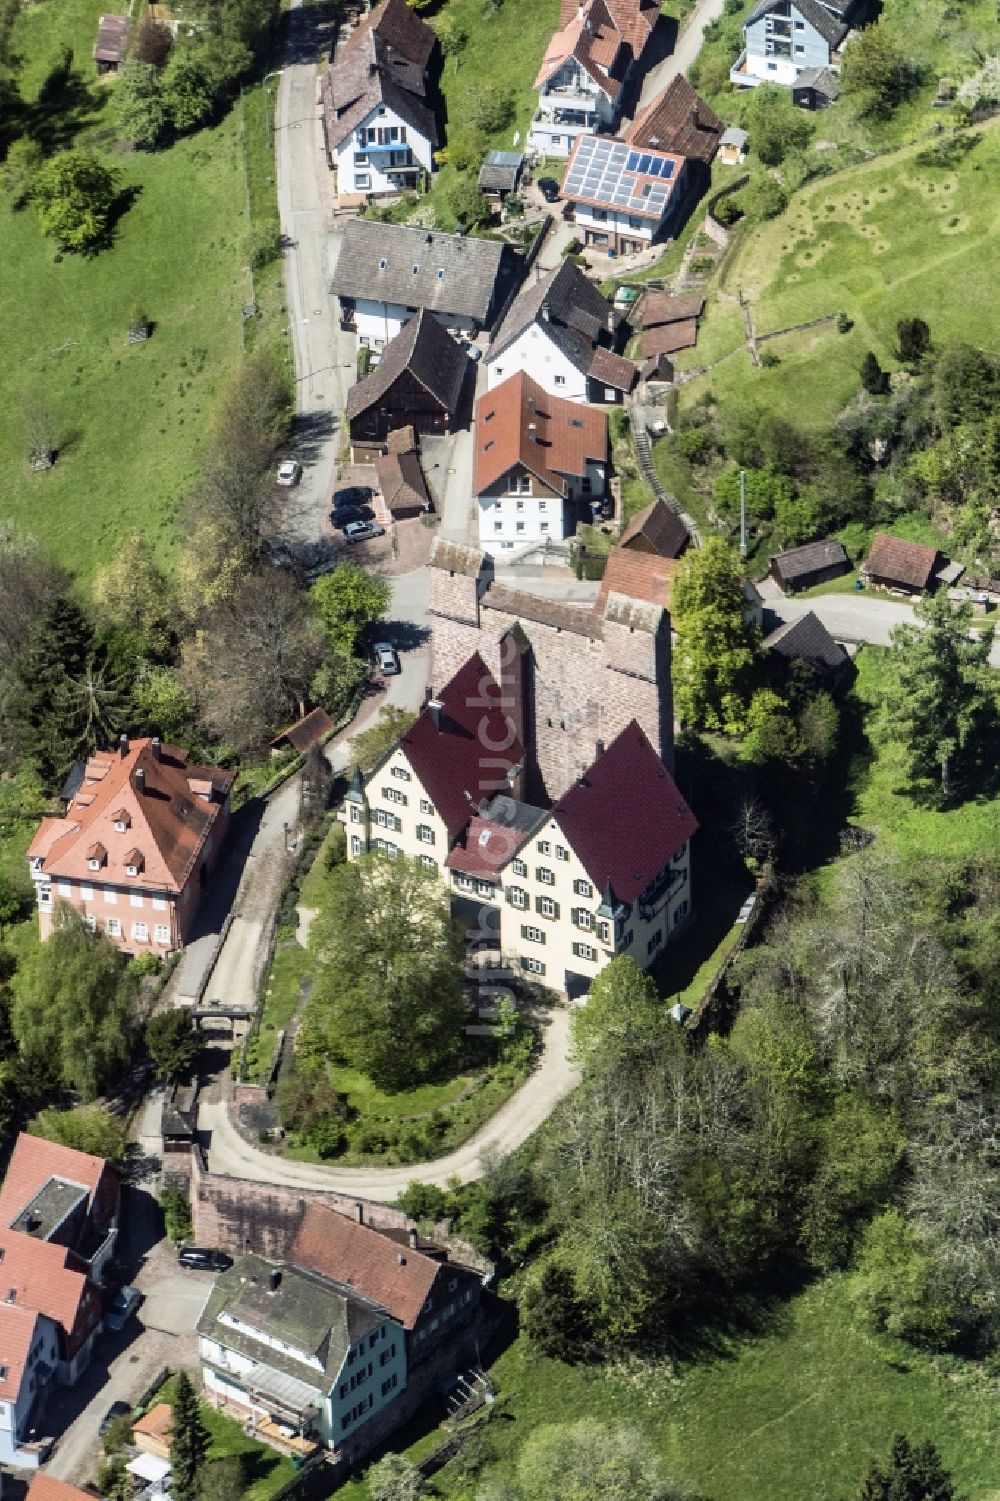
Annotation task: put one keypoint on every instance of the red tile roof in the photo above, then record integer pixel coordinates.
(485, 857)
(639, 575)
(47, 1488)
(457, 758)
(169, 821)
(369, 1263)
(659, 307)
(896, 561)
(36, 1271)
(612, 369)
(17, 1329)
(34, 1162)
(519, 423)
(625, 819)
(667, 338)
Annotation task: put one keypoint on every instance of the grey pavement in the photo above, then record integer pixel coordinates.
(686, 49)
(526, 1110)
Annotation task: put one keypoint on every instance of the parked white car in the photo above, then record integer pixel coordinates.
(386, 659)
(289, 473)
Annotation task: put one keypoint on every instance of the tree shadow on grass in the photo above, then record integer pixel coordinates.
(713, 1322)
(119, 208)
(65, 105)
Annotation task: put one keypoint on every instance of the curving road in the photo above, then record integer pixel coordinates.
(553, 1078)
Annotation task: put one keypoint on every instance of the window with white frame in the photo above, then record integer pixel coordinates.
(585, 951)
(547, 907)
(485, 888)
(64, 888)
(387, 820)
(560, 380)
(111, 897)
(428, 862)
(562, 853)
(386, 847)
(425, 806)
(162, 932)
(583, 919)
(90, 922)
(159, 904)
(532, 965)
(544, 847)
(393, 795)
(401, 773)
(135, 898)
(45, 896)
(113, 927)
(86, 893)
(425, 833)
(532, 935)
(583, 888)
(517, 897)
(546, 876)
(519, 868)
(356, 814)
(604, 932)
(140, 932)
(356, 845)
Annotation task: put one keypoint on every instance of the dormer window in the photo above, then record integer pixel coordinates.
(134, 862)
(96, 856)
(122, 820)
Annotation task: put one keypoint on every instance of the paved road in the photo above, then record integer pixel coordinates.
(513, 1123)
(852, 617)
(685, 51)
(324, 357)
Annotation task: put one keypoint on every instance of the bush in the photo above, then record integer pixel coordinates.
(262, 245)
(423, 1201)
(701, 265)
(769, 359)
(176, 1214)
(328, 1137)
(693, 444)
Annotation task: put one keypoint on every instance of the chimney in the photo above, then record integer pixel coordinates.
(274, 1279)
(123, 745)
(155, 747)
(140, 780)
(436, 708)
(359, 1212)
(413, 1240)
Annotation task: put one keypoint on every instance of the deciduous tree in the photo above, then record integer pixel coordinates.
(394, 1478)
(139, 110)
(87, 1128)
(878, 74)
(713, 654)
(173, 1042)
(588, 1461)
(368, 747)
(153, 42)
(346, 601)
(74, 193)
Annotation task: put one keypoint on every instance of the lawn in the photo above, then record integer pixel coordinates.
(881, 241)
(913, 831)
(130, 420)
(264, 1470)
(794, 1411)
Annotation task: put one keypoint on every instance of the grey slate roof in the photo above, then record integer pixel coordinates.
(422, 268)
(367, 76)
(429, 353)
(807, 639)
(572, 310)
(830, 27)
(500, 171)
(810, 558)
(307, 1311)
(823, 80)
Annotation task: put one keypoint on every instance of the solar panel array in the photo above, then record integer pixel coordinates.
(611, 173)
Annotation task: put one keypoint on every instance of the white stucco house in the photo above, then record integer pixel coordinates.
(582, 77)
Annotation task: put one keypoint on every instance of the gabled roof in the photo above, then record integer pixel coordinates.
(518, 423)
(501, 171)
(812, 557)
(657, 308)
(657, 529)
(900, 562)
(668, 338)
(401, 480)
(457, 274)
(580, 322)
(112, 39)
(806, 639)
(625, 818)
(170, 818)
(306, 731)
(368, 75)
(357, 1255)
(487, 843)
(613, 174)
(427, 351)
(592, 38)
(399, 28)
(612, 369)
(678, 120)
(637, 575)
(830, 27)
(17, 1331)
(446, 746)
(39, 1274)
(36, 1162)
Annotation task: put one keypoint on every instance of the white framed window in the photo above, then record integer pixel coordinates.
(547, 907)
(87, 893)
(428, 862)
(113, 927)
(532, 935)
(583, 888)
(135, 898)
(584, 919)
(498, 526)
(64, 888)
(425, 833)
(162, 932)
(543, 526)
(560, 380)
(93, 864)
(485, 888)
(393, 795)
(362, 180)
(517, 897)
(120, 825)
(140, 932)
(90, 922)
(159, 904)
(520, 869)
(464, 883)
(532, 965)
(356, 814)
(45, 896)
(355, 845)
(585, 951)
(387, 820)
(425, 806)
(401, 773)
(545, 875)
(544, 847)
(562, 853)
(519, 526)
(111, 897)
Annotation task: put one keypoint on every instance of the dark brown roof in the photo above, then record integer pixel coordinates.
(398, 27)
(896, 561)
(574, 314)
(425, 349)
(657, 529)
(625, 818)
(458, 275)
(612, 369)
(306, 731)
(813, 557)
(679, 120)
(366, 76)
(401, 481)
(668, 338)
(656, 308)
(806, 639)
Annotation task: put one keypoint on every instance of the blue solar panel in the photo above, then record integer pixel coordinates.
(632, 165)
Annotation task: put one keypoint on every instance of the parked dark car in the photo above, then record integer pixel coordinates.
(352, 495)
(204, 1259)
(549, 189)
(344, 515)
(115, 1411)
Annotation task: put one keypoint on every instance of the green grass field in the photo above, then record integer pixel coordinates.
(882, 241)
(130, 420)
(794, 1411)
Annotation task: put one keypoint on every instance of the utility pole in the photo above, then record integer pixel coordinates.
(743, 513)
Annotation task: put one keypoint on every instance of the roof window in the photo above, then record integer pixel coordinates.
(383, 263)
(416, 270)
(575, 422)
(484, 837)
